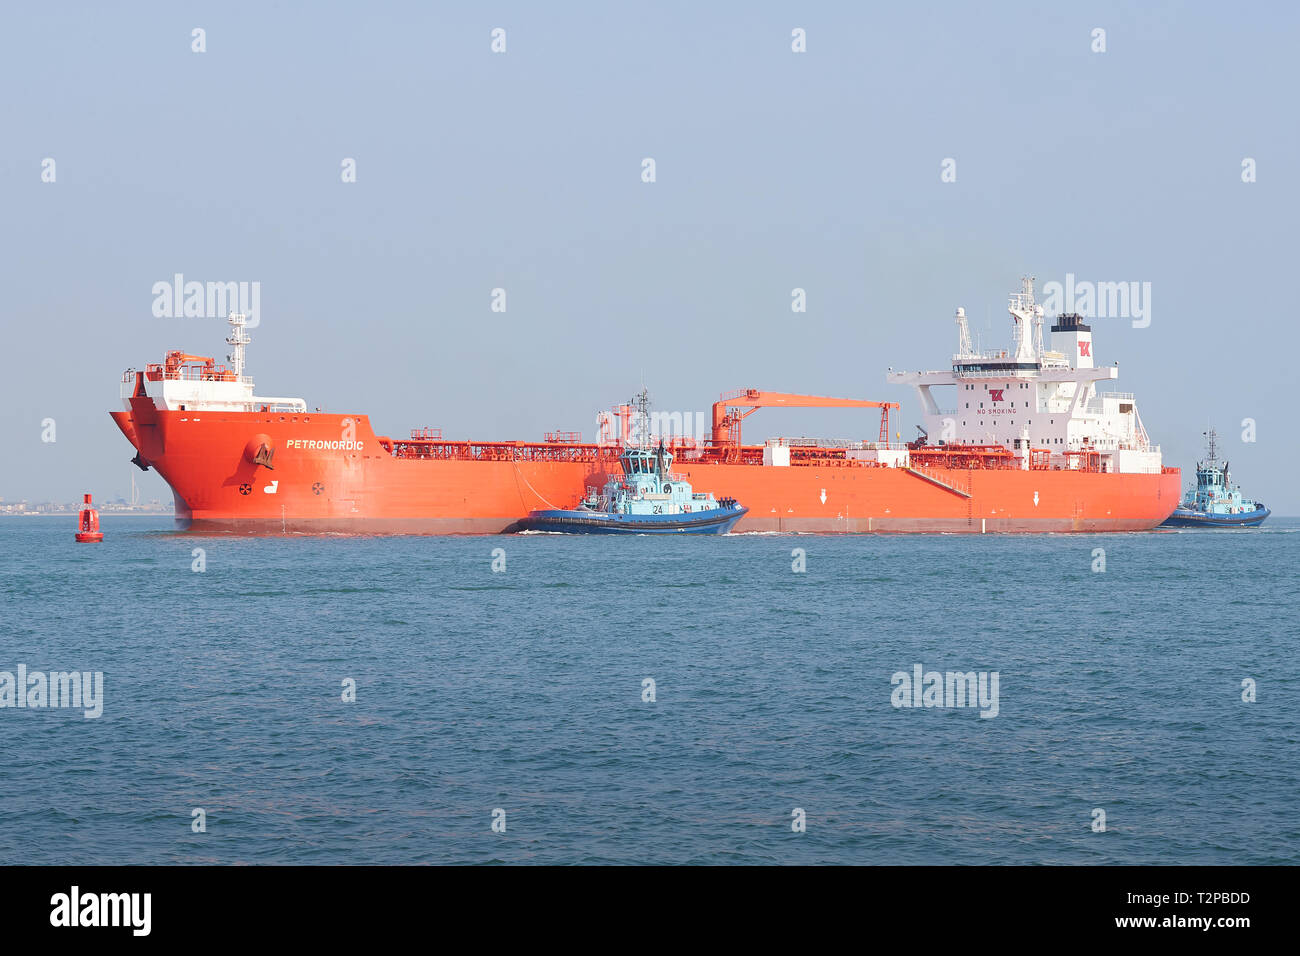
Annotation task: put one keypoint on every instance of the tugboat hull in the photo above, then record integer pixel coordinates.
(583, 521)
(1185, 518)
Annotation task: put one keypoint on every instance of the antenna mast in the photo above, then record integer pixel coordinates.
(963, 335)
(237, 339)
(1023, 311)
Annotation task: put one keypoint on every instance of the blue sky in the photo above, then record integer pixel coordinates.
(522, 170)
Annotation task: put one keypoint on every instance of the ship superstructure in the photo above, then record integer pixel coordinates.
(1042, 403)
(184, 382)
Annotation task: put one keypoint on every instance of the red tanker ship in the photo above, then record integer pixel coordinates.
(1032, 445)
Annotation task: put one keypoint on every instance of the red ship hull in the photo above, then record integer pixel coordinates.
(331, 473)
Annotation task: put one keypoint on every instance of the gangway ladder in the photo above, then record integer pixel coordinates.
(938, 482)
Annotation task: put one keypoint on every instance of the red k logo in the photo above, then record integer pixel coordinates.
(1085, 348)
(996, 394)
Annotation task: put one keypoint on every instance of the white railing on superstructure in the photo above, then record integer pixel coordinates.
(988, 355)
(186, 373)
(847, 443)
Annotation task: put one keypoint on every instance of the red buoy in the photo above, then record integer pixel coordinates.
(89, 523)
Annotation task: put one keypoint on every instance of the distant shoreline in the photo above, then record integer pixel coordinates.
(73, 514)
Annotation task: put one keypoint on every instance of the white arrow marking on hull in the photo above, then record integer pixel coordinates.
(1035, 499)
(823, 496)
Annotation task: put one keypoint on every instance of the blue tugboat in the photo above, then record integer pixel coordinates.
(1214, 503)
(647, 498)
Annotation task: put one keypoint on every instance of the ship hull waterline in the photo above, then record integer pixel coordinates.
(1183, 518)
(583, 521)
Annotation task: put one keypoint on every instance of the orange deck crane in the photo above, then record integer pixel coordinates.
(728, 414)
(178, 364)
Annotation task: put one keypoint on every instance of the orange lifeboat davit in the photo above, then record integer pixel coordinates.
(88, 519)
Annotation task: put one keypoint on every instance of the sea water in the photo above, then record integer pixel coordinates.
(565, 699)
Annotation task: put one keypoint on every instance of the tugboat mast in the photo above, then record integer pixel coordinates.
(1210, 440)
(642, 403)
